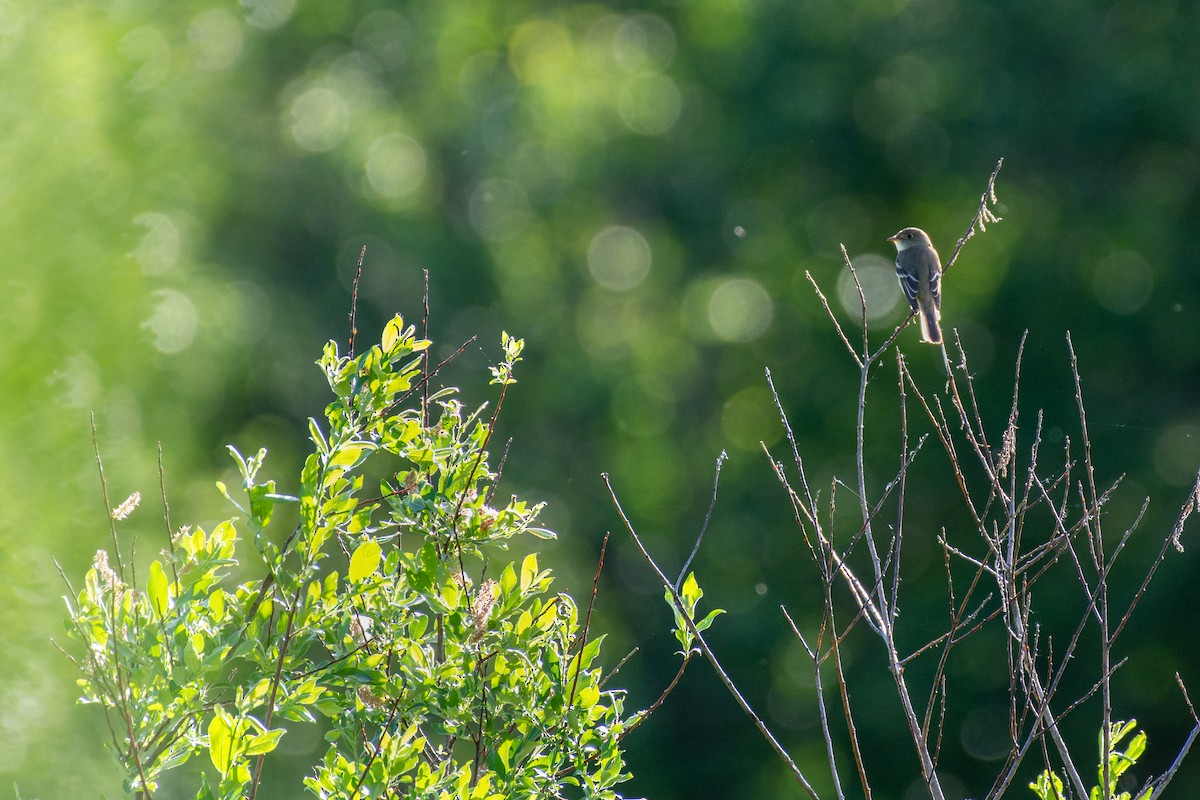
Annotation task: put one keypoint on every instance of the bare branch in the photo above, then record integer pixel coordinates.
(833, 317)
(708, 653)
(712, 503)
(982, 217)
(814, 655)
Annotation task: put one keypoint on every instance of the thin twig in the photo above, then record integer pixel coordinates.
(704, 648)
(587, 620)
(499, 472)
(847, 713)
(423, 386)
(162, 492)
(612, 672)
(814, 656)
(276, 680)
(837, 326)
(712, 503)
(462, 496)
(983, 216)
(1185, 512)
(791, 437)
(1097, 541)
(354, 301)
(425, 374)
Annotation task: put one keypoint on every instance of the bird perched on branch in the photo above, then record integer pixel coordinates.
(920, 272)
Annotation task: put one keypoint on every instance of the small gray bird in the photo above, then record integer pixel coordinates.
(920, 272)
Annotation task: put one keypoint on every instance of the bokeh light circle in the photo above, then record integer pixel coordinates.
(216, 39)
(174, 322)
(385, 36)
(395, 165)
(318, 119)
(749, 419)
(159, 249)
(740, 310)
(619, 258)
(649, 104)
(644, 41)
(877, 275)
(268, 14)
(540, 52)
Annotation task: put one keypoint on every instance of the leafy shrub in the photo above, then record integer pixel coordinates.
(382, 613)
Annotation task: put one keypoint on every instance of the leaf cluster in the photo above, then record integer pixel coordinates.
(1049, 786)
(380, 617)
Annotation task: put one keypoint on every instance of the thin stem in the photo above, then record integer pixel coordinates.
(814, 656)
(677, 601)
(354, 301)
(587, 620)
(712, 503)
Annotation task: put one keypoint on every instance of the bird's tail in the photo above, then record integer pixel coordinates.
(931, 317)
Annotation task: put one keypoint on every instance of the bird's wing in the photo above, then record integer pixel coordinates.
(935, 282)
(910, 283)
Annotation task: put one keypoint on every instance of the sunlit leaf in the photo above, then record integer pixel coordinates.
(220, 741)
(156, 588)
(365, 561)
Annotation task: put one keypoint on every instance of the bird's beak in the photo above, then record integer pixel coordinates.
(894, 239)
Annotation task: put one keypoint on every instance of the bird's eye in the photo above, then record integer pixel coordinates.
(908, 236)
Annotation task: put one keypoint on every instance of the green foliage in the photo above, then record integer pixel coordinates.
(689, 597)
(1049, 786)
(432, 680)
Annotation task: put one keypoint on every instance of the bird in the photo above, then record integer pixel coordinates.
(920, 272)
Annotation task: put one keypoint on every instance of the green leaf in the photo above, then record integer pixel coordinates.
(206, 792)
(318, 438)
(220, 741)
(591, 650)
(365, 560)
(691, 590)
(1136, 747)
(508, 580)
(264, 742)
(392, 333)
(216, 604)
(348, 456)
(708, 619)
(156, 589)
(259, 693)
(504, 753)
(1048, 786)
(262, 502)
(529, 568)
(1119, 730)
(588, 696)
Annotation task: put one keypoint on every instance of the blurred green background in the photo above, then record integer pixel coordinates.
(637, 189)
